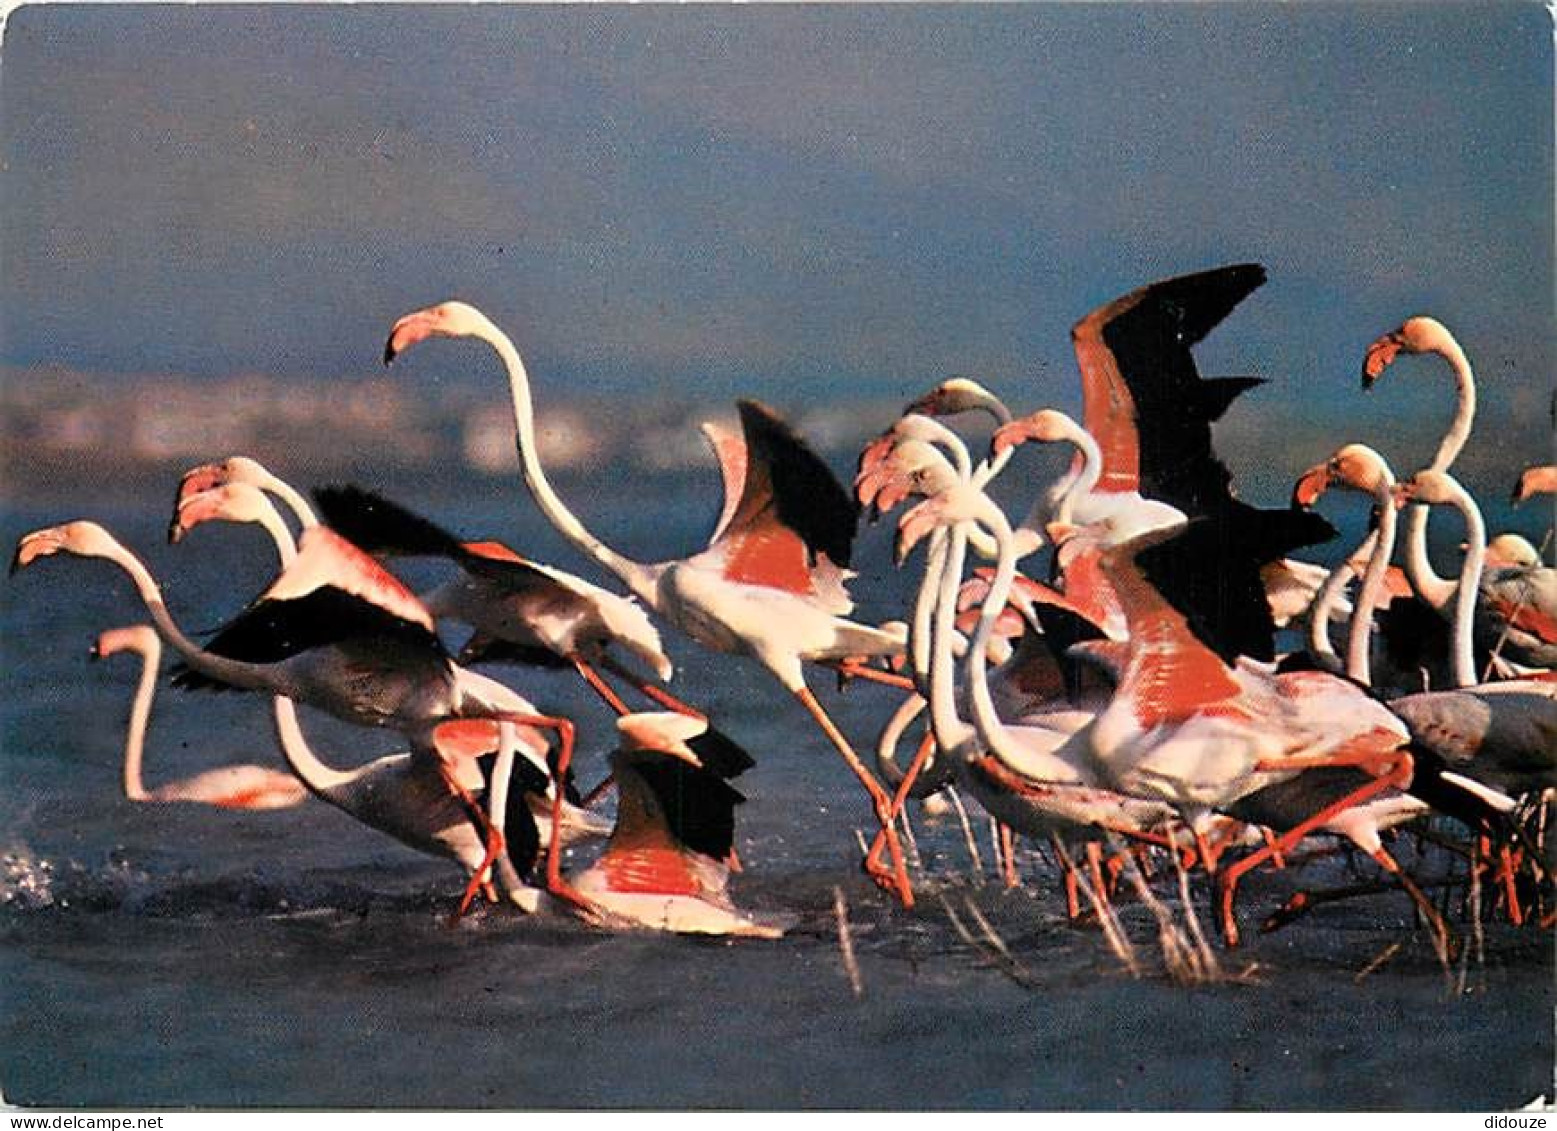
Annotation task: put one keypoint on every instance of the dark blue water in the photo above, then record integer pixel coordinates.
(178, 955)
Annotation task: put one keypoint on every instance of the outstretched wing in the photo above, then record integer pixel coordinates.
(791, 511)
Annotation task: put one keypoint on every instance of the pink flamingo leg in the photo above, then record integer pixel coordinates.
(883, 803)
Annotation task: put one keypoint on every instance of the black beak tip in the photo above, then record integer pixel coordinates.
(389, 353)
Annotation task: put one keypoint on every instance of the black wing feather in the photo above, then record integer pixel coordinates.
(810, 500)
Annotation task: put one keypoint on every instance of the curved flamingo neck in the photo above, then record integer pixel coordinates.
(1086, 480)
(986, 719)
(323, 781)
(1438, 591)
(1470, 583)
(1324, 603)
(293, 499)
(950, 731)
(206, 663)
(641, 579)
(140, 715)
(1359, 635)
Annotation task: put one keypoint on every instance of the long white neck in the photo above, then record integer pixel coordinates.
(1359, 636)
(1438, 591)
(325, 782)
(1087, 479)
(951, 732)
(640, 578)
(985, 718)
(140, 714)
(1470, 583)
(1319, 611)
(295, 502)
(921, 629)
(235, 672)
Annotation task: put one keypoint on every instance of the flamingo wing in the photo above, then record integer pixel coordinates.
(730, 453)
(1143, 400)
(273, 630)
(381, 526)
(792, 509)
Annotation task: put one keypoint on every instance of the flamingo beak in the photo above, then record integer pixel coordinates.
(1315, 482)
(1378, 358)
(413, 328)
(1059, 532)
(1007, 436)
(38, 544)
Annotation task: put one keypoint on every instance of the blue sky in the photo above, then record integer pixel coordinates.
(791, 201)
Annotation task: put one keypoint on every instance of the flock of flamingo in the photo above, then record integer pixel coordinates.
(1124, 695)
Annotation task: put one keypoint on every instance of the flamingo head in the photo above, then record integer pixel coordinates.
(1420, 334)
(1535, 481)
(450, 319)
(1046, 426)
(910, 467)
(959, 394)
(83, 539)
(1428, 486)
(664, 732)
(231, 502)
(234, 469)
(140, 638)
(1356, 466)
(1511, 551)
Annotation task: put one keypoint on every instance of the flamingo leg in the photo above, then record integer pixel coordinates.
(1231, 877)
(1443, 940)
(601, 687)
(555, 883)
(490, 833)
(878, 795)
(1008, 851)
(656, 694)
(915, 767)
(853, 669)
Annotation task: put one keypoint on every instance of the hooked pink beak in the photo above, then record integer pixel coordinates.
(1315, 482)
(1378, 358)
(405, 333)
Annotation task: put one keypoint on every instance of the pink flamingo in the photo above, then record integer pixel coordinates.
(770, 586)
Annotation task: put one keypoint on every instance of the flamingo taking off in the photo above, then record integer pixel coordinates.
(338, 632)
(241, 786)
(770, 586)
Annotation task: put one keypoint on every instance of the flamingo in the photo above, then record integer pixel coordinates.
(665, 866)
(228, 787)
(340, 633)
(770, 586)
(521, 609)
(1420, 335)
(1360, 468)
(238, 501)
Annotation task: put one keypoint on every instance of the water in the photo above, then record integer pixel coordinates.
(173, 955)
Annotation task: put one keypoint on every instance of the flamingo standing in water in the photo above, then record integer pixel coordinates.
(770, 586)
(228, 787)
(338, 632)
